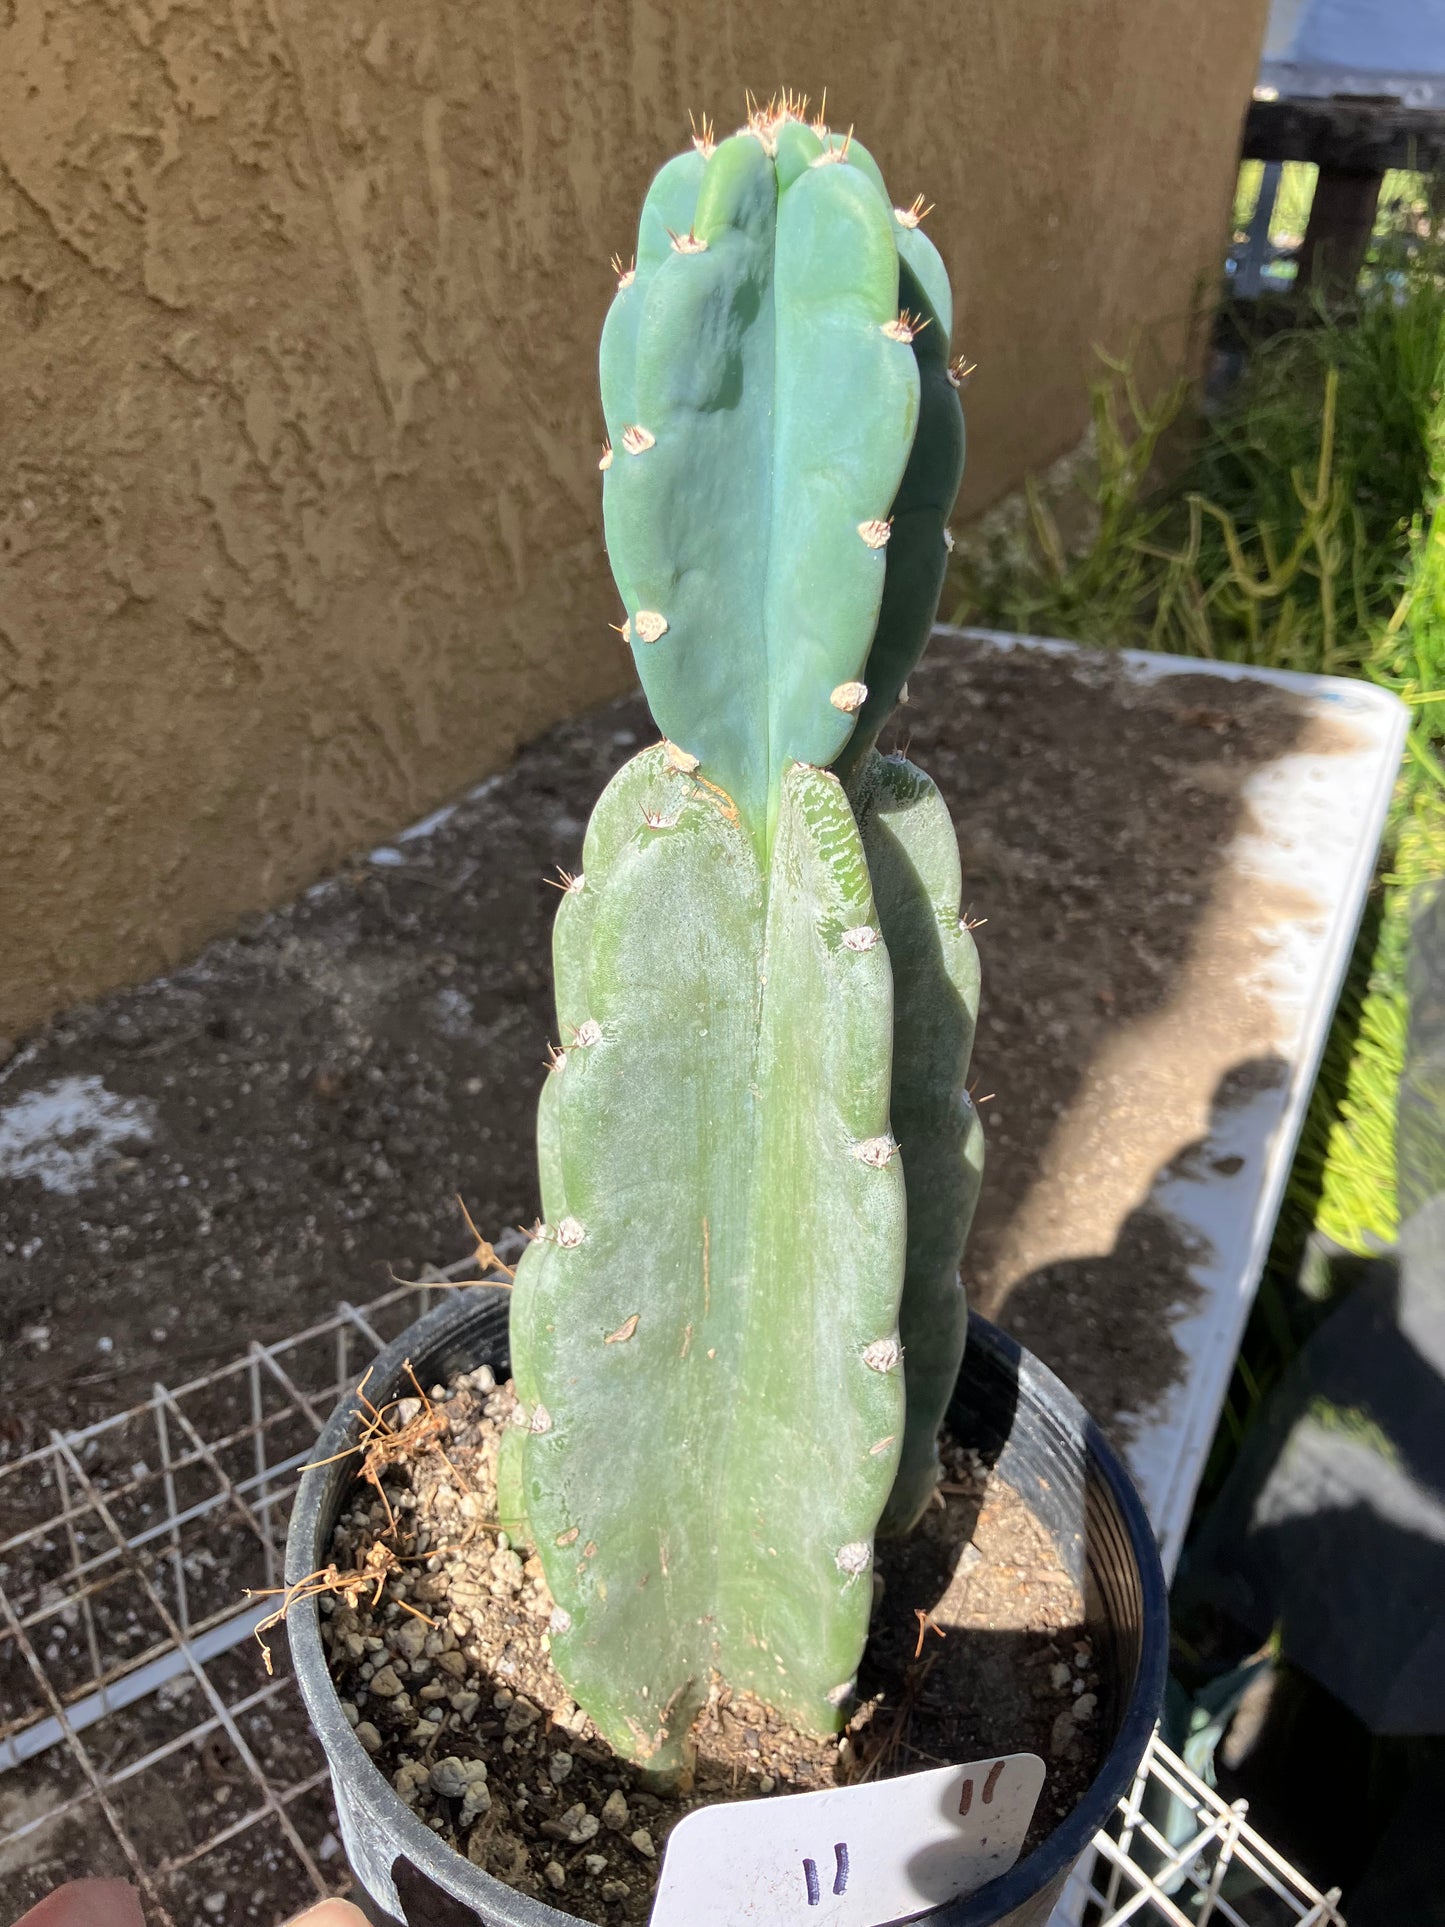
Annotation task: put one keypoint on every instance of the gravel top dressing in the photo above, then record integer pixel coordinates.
(977, 1647)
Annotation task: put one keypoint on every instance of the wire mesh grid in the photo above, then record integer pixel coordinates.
(141, 1736)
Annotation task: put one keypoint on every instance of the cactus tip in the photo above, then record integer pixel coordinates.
(604, 460)
(588, 1033)
(877, 532)
(854, 1558)
(650, 626)
(948, 541)
(686, 243)
(840, 1695)
(960, 369)
(625, 275)
(540, 1421)
(637, 440)
(849, 697)
(862, 938)
(570, 1234)
(560, 1621)
(623, 628)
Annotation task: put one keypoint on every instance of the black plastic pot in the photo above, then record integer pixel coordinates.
(1007, 1405)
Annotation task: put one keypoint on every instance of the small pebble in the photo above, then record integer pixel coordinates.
(450, 1778)
(615, 1890)
(559, 1768)
(521, 1715)
(642, 1840)
(477, 1802)
(369, 1736)
(502, 1698)
(410, 1637)
(595, 1863)
(766, 1783)
(1085, 1706)
(349, 1712)
(614, 1812)
(1062, 1736)
(555, 1875)
(384, 1683)
(1059, 1676)
(214, 1903)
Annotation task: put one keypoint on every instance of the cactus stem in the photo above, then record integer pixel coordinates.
(681, 760)
(706, 1270)
(624, 1331)
(877, 1151)
(570, 1234)
(704, 138)
(881, 1445)
(623, 628)
(960, 369)
(625, 275)
(876, 533)
(849, 697)
(637, 440)
(686, 243)
(650, 626)
(862, 938)
(854, 1558)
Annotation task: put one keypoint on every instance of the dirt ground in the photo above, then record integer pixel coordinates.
(225, 1153)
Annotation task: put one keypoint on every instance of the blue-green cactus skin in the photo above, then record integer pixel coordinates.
(706, 1329)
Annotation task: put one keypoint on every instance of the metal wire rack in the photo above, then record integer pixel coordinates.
(140, 1735)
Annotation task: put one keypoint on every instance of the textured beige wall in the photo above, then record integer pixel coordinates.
(299, 526)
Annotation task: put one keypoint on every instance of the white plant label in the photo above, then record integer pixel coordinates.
(857, 1856)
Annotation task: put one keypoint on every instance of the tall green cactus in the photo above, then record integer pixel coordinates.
(706, 1330)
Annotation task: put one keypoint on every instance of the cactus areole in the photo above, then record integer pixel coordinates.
(736, 1331)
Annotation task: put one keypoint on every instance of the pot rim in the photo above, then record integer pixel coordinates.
(347, 1759)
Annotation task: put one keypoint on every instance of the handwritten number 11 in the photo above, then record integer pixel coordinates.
(840, 1879)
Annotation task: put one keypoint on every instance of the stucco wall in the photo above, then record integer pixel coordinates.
(299, 527)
